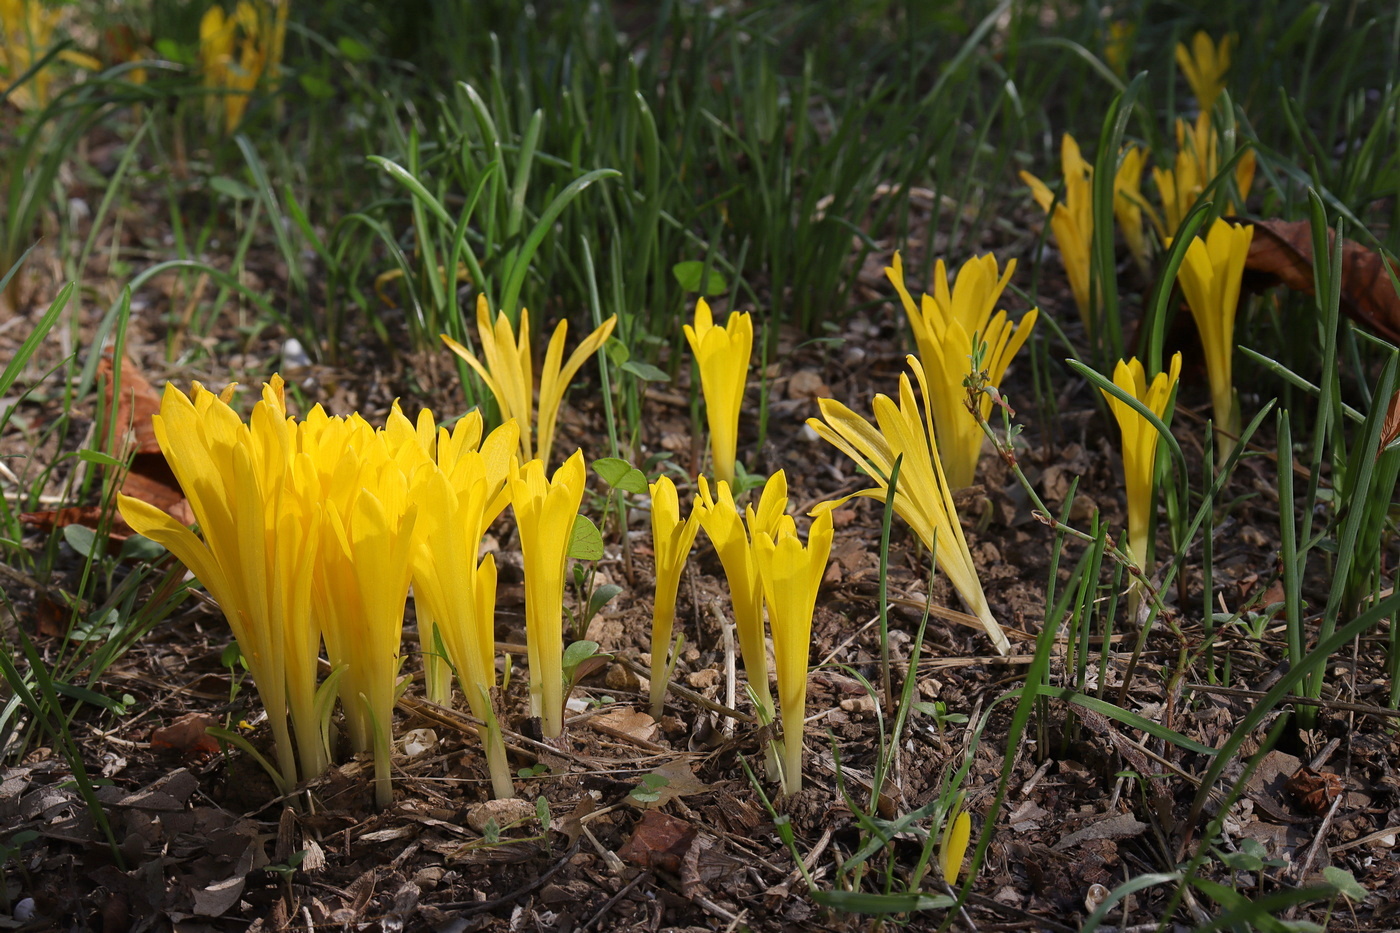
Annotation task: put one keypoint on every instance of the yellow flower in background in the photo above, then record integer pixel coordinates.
(1204, 66)
(791, 575)
(1128, 204)
(545, 510)
(455, 595)
(719, 516)
(722, 354)
(257, 546)
(1140, 440)
(671, 541)
(1196, 165)
(945, 325)
(509, 373)
(236, 51)
(1118, 45)
(1072, 220)
(924, 498)
(1210, 279)
(26, 35)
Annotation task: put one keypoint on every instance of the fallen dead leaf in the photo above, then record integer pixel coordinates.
(659, 841)
(186, 737)
(1282, 252)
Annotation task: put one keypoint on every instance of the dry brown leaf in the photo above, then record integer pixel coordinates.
(659, 841)
(186, 736)
(1282, 252)
(150, 478)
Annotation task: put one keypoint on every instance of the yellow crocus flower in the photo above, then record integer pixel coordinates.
(1196, 165)
(1140, 443)
(545, 510)
(509, 373)
(362, 579)
(791, 575)
(945, 325)
(924, 498)
(1118, 45)
(1210, 278)
(462, 494)
(1204, 66)
(722, 354)
(258, 541)
(1128, 204)
(671, 541)
(236, 52)
(1072, 220)
(720, 518)
(957, 832)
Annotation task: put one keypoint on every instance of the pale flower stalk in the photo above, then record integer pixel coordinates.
(508, 372)
(924, 497)
(722, 355)
(1210, 279)
(1140, 441)
(545, 510)
(1072, 221)
(945, 326)
(791, 575)
(671, 541)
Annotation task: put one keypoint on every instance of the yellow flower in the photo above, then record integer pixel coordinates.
(1210, 279)
(509, 373)
(1140, 443)
(671, 540)
(945, 324)
(953, 846)
(26, 34)
(545, 510)
(791, 575)
(1128, 204)
(723, 526)
(1118, 45)
(462, 494)
(1204, 67)
(235, 52)
(1072, 220)
(924, 499)
(363, 574)
(259, 534)
(722, 353)
(1196, 165)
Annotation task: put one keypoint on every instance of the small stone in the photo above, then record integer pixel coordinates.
(504, 812)
(623, 678)
(860, 704)
(703, 679)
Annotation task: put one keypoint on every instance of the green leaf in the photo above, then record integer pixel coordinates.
(230, 188)
(99, 458)
(601, 597)
(353, 49)
(644, 371)
(617, 351)
(316, 87)
(586, 542)
(688, 274)
(619, 474)
(81, 539)
(1345, 883)
(577, 652)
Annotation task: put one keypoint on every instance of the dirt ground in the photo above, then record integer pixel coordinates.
(1090, 802)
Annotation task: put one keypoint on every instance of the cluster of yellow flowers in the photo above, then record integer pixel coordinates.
(312, 531)
(26, 34)
(235, 52)
(1209, 276)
